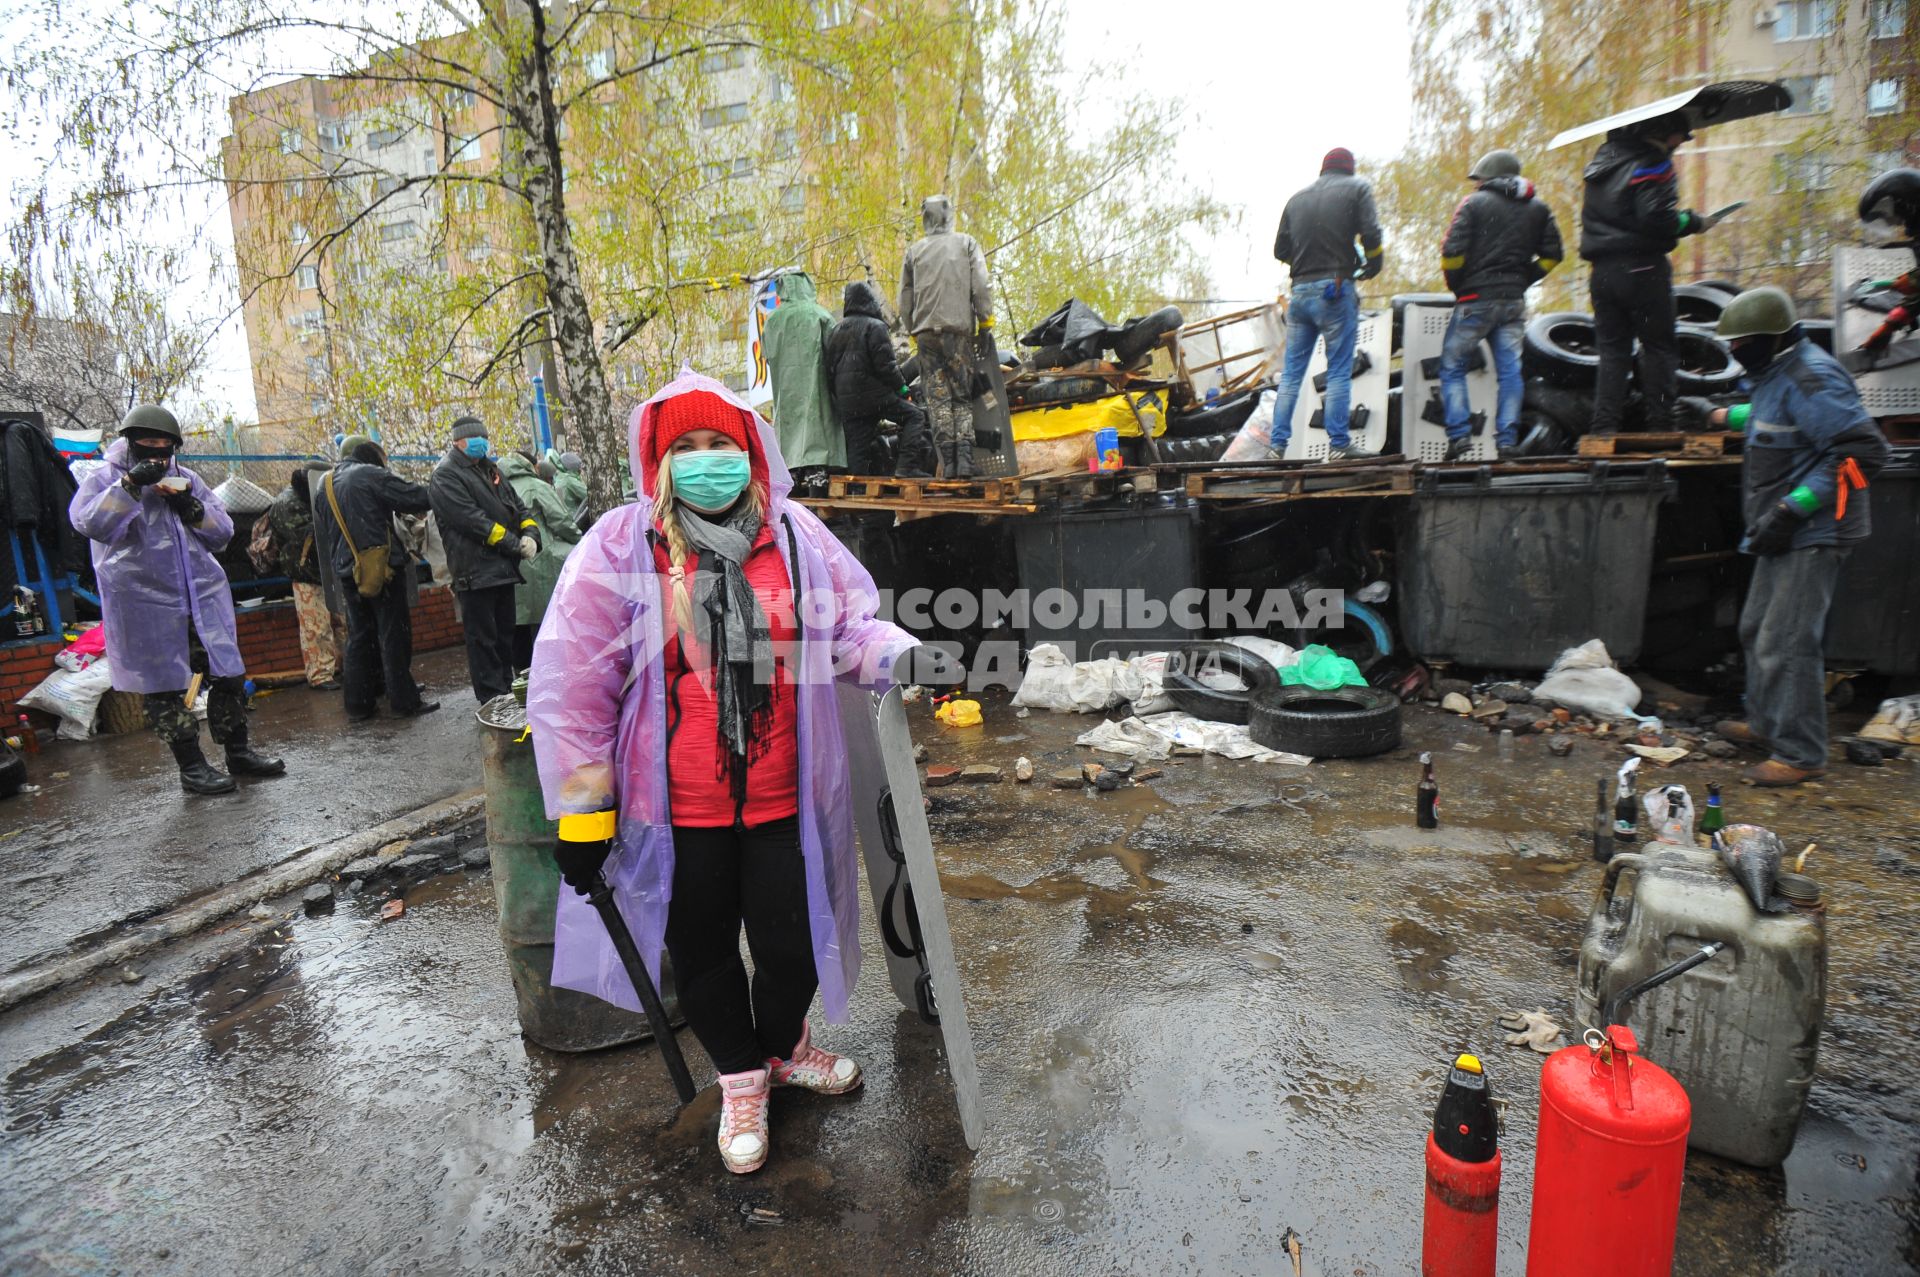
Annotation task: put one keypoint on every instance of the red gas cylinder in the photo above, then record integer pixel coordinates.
(1612, 1151)
(1462, 1227)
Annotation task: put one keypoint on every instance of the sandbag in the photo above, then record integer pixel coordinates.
(1584, 678)
(73, 697)
(1089, 687)
(1251, 443)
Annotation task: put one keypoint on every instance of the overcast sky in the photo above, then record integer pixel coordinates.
(1267, 89)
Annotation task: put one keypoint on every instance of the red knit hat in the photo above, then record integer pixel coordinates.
(696, 410)
(1338, 160)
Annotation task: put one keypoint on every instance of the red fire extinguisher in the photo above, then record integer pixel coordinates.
(1612, 1150)
(1462, 1228)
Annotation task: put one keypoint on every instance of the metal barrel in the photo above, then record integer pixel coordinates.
(526, 886)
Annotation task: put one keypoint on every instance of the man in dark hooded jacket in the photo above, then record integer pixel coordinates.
(1630, 220)
(379, 628)
(1502, 241)
(867, 388)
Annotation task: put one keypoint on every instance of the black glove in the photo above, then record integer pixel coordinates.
(146, 472)
(186, 505)
(1773, 532)
(927, 666)
(1373, 266)
(580, 862)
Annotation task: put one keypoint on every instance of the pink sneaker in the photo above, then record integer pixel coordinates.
(743, 1120)
(813, 1069)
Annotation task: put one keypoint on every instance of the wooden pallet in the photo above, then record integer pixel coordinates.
(1718, 444)
(1365, 479)
(887, 487)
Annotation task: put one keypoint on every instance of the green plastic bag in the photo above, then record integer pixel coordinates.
(1322, 667)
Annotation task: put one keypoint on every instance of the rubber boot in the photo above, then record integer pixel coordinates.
(242, 761)
(963, 459)
(197, 775)
(946, 460)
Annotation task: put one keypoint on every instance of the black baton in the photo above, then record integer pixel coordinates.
(602, 898)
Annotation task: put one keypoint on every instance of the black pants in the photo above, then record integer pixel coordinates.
(721, 878)
(866, 455)
(487, 616)
(380, 651)
(1633, 298)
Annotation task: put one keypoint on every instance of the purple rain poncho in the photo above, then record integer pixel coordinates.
(595, 705)
(155, 575)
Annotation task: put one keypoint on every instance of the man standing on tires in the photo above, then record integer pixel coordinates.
(1502, 242)
(1630, 221)
(488, 534)
(1811, 449)
(944, 300)
(1316, 241)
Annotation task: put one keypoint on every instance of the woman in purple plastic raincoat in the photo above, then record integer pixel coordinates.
(687, 730)
(164, 599)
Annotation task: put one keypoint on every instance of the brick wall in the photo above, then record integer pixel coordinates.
(269, 643)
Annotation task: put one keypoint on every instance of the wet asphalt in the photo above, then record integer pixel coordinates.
(1207, 1010)
(108, 837)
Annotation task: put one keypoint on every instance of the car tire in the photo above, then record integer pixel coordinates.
(1064, 390)
(1346, 722)
(1223, 417)
(1706, 365)
(1698, 304)
(1551, 418)
(1140, 336)
(1214, 704)
(1560, 349)
(1049, 357)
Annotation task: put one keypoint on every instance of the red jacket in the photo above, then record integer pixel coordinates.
(697, 790)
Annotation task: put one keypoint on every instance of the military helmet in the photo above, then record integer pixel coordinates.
(1894, 198)
(1495, 164)
(1757, 311)
(149, 419)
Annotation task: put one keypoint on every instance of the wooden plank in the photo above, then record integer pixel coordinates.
(1686, 445)
(942, 506)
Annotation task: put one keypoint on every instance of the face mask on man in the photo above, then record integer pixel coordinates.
(712, 479)
(150, 452)
(475, 445)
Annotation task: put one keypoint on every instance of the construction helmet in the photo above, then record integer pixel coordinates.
(1892, 202)
(1495, 164)
(149, 419)
(1757, 311)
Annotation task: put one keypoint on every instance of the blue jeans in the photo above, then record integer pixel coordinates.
(1503, 326)
(1311, 314)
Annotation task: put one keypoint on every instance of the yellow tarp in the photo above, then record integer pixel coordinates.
(1061, 422)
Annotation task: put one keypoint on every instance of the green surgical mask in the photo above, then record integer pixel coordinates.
(711, 479)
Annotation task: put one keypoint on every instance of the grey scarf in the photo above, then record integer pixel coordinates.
(729, 622)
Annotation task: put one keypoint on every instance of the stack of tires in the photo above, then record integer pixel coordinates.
(1345, 722)
(1561, 359)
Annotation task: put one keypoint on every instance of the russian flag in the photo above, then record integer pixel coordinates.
(73, 442)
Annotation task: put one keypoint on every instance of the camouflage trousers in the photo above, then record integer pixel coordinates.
(323, 636)
(946, 376)
(172, 718)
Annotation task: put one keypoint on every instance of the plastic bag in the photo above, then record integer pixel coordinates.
(1670, 814)
(1322, 667)
(73, 697)
(1272, 651)
(959, 714)
(1897, 720)
(1251, 443)
(1584, 678)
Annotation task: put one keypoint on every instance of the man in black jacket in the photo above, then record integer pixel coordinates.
(1502, 241)
(867, 389)
(379, 628)
(488, 534)
(1316, 240)
(1630, 220)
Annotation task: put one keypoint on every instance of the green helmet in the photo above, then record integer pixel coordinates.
(1495, 164)
(1757, 311)
(149, 419)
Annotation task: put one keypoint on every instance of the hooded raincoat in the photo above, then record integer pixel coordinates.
(596, 705)
(558, 536)
(571, 487)
(795, 339)
(156, 574)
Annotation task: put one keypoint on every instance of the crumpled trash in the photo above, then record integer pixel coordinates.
(1665, 755)
(1535, 1029)
(1584, 678)
(1670, 814)
(1322, 667)
(1752, 854)
(1896, 721)
(1155, 736)
(959, 714)
(1374, 592)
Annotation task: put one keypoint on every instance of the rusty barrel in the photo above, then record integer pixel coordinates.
(526, 886)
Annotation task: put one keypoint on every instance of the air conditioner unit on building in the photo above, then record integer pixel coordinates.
(1766, 16)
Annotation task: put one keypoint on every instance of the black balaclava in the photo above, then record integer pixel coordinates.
(146, 452)
(1757, 353)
